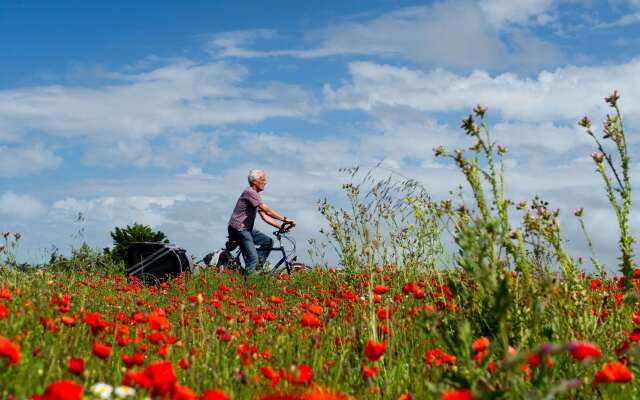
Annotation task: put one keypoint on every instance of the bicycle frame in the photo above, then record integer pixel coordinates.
(288, 263)
(277, 268)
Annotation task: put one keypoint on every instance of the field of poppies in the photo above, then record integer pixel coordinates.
(506, 313)
(313, 335)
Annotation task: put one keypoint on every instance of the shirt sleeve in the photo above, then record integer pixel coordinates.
(254, 198)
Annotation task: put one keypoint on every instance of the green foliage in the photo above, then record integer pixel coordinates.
(83, 258)
(123, 237)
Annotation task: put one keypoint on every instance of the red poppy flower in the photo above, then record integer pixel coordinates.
(369, 372)
(101, 350)
(130, 361)
(161, 377)
(438, 357)
(480, 344)
(613, 372)
(380, 289)
(315, 309)
(270, 374)
(460, 394)
(582, 350)
(4, 311)
(374, 350)
(61, 390)
(10, 350)
(305, 374)
(310, 320)
(181, 392)
(216, 394)
(76, 365)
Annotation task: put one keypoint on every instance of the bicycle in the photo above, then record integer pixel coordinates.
(229, 256)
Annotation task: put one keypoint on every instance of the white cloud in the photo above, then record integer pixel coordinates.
(118, 121)
(565, 94)
(500, 12)
(474, 37)
(21, 206)
(26, 160)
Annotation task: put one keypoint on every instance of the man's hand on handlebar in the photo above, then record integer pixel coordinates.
(286, 226)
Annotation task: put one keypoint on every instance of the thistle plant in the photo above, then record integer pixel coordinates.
(615, 176)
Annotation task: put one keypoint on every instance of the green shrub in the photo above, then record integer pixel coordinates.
(122, 237)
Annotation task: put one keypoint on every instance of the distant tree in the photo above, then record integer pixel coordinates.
(122, 237)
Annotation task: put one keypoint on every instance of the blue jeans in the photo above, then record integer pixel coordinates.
(248, 241)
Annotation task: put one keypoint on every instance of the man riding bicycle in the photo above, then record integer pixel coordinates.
(243, 217)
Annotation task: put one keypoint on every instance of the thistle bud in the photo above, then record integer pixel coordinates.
(502, 149)
(476, 147)
(521, 205)
(585, 122)
(469, 126)
(598, 157)
(613, 99)
(578, 212)
(459, 155)
(1, 248)
(480, 110)
(438, 151)
(5, 234)
(17, 235)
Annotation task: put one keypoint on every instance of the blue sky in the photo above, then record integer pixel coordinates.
(154, 111)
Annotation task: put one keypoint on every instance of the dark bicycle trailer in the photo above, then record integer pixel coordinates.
(157, 259)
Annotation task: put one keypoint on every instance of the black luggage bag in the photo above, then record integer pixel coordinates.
(155, 261)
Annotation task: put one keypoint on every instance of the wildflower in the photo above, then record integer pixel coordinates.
(182, 392)
(216, 394)
(61, 390)
(438, 357)
(457, 394)
(129, 361)
(480, 346)
(613, 372)
(102, 390)
(438, 151)
(583, 350)
(585, 122)
(613, 98)
(76, 365)
(598, 157)
(270, 374)
(480, 110)
(374, 350)
(578, 212)
(161, 376)
(184, 363)
(305, 374)
(369, 372)
(101, 350)
(316, 309)
(310, 320)
(10, 350)
(380, 289)
(123, 392)
(4, 312)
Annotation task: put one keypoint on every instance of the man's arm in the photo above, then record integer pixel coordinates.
(269, 220)
(265, 210)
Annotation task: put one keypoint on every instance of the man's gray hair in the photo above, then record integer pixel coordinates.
(255, 174)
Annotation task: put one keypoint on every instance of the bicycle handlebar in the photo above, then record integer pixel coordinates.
(284, 228)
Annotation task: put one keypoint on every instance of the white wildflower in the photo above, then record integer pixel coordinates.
(102, 390)
(125, 391)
